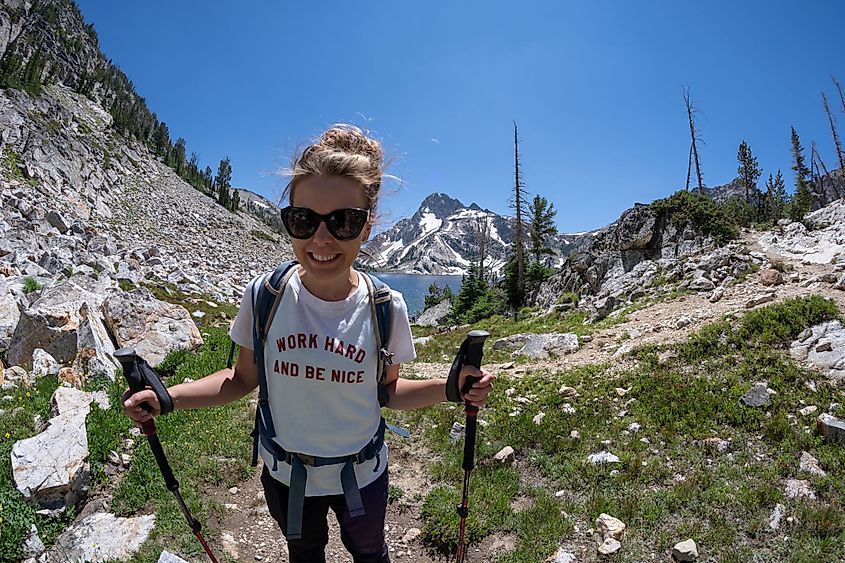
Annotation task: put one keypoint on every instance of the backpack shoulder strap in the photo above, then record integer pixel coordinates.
(266, 296)
(381, 308)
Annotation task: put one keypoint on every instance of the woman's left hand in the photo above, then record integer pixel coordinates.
(477, 395)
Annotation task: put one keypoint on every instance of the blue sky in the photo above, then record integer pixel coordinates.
(595, 87)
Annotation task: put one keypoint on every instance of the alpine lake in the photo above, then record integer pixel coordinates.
(414, 287)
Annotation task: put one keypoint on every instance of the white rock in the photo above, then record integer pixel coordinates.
(608, 526)
(799, 488)
(33, 546)
(505, 455)
(602, 457)
(609, 546)
(43, 364)
(811, 465)
(167, 557)
(456, 434)
(562, 556)
(411, 535)
(776, 517)
(51, 468)
(568, 392)
(102, 537)
(685, 551)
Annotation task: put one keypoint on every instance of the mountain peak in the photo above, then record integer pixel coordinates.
(440, 204)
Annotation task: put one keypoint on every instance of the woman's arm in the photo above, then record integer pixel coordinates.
(219, 388)
(407, 394)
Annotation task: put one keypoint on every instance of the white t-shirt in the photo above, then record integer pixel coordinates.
(320, 360)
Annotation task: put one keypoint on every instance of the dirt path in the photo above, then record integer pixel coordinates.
(251, 534)
(254, 536)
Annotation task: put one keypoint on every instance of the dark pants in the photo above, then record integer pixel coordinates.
(363, 536)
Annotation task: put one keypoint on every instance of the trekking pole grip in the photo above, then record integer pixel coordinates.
(474, 353)
(127, 358)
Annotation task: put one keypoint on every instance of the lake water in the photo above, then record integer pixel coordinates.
(414, 287)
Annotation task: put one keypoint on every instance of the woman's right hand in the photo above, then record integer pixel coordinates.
(132, 406)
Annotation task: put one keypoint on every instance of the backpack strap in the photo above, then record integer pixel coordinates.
(382, 314)
(266, 296)
(381, 308)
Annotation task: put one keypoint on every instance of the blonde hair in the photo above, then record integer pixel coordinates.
(342, 150)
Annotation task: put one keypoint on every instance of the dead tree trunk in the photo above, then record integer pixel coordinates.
(519, 186)
(693, 140)
(689, 167)
(833, 132)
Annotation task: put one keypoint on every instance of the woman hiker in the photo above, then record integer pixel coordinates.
(321, 434)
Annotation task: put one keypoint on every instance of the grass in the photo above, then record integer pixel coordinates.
(444, 345)
(11, 164)
(207, 449)
(674, 485)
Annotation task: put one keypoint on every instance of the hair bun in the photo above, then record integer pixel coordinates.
(351, 140)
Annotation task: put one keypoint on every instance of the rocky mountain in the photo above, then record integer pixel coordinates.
(262, 208)
(440, 239)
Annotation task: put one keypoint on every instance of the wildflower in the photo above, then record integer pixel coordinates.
(8, 435)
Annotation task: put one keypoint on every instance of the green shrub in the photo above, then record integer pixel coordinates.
(781, 323)
(30, 285)
(568, 297)
(683, 208)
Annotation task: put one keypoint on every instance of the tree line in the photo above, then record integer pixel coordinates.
(768, 205)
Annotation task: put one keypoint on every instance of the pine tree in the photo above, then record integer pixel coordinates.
(801, 170)
(749, 170)
(776, 196)
(779, 195)
(801, 201)
(542, 227)
(223, 182)
(208, 181)
(162, 140)
(179, 155)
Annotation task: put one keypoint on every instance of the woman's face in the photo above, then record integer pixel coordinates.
(324, 257)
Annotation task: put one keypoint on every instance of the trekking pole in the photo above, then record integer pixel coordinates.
(138, 375)
(470, 353)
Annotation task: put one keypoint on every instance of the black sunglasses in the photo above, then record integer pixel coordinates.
(343, 224)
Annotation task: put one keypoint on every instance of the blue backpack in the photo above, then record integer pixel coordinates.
(266, 296)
